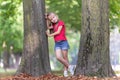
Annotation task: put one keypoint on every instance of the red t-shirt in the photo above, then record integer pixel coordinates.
(61, 35)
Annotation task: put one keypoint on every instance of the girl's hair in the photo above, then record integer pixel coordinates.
(49, 13)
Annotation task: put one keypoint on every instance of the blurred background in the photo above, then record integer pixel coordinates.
(11, 32)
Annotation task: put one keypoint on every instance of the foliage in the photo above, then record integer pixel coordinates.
(68, 10)
(11, 28)
(114, 13)
(11, 20)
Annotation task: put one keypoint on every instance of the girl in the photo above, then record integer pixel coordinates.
(61, 43)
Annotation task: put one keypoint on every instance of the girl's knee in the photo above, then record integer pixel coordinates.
(58, 57)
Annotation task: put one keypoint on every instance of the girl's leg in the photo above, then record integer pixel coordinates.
(59, 57)
(69, 68)
(65, 56)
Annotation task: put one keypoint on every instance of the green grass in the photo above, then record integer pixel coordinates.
(11, 72)
(117, 72)
(60, 73)
(8, 72)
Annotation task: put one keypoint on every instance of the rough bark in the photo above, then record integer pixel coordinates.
(35, 57)
(93, 56)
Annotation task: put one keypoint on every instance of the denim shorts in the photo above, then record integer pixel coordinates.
(63, 45)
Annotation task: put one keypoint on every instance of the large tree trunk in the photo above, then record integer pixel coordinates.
(6, 56)
(93, 56)
(35, 58)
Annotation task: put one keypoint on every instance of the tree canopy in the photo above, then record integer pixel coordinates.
(11, 18)
(114, 13)
(11, 28)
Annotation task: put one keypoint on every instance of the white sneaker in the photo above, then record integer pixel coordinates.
(65, 73)
(71, 69)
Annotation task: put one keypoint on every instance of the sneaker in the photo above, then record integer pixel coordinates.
(71, 69)
(65, 73)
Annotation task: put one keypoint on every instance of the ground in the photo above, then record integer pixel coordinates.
(54, 77)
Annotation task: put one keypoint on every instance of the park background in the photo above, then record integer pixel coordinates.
(11, 32)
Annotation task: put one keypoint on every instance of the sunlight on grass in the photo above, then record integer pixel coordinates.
(5, 73)
(117, 72)
(59, 73)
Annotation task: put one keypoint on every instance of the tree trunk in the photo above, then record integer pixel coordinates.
(6, 56)
(93, 56)
(35, 57)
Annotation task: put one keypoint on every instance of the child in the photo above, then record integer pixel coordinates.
(61, 43)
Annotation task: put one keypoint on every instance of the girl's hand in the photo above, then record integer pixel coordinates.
(50, 27)
(48, 33)
(46, 16)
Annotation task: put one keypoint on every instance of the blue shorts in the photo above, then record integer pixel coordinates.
(63, 45)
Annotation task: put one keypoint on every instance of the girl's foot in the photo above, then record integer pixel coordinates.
(71, 69)
(65, 73)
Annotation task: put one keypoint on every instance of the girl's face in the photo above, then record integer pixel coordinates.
(53, 18)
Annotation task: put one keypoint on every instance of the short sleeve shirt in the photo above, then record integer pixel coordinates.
(61, 36)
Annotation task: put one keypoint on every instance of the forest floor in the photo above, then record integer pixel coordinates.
(52, 76)
(55, 77)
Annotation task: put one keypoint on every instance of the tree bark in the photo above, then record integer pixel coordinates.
(93, 56)
(6, 56)
(35, 57)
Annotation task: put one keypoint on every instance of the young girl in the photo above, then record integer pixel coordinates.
(61, 43)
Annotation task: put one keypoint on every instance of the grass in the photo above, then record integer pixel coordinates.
(11, 72)
(60, 73)
(117, 72)
(8, 72)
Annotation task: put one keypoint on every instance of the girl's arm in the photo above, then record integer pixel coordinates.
(55, 33)
(49, 24)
